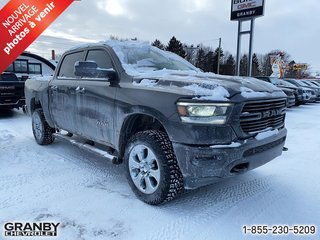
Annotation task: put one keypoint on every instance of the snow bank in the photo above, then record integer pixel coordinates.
(5, 136)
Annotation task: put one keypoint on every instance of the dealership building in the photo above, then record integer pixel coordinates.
(29, 64)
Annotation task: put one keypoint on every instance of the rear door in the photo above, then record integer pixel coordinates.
(62, 94)
(95, 102)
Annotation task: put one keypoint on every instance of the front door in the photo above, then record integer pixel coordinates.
(95, 102)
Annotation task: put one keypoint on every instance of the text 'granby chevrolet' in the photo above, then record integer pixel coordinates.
(19, 229)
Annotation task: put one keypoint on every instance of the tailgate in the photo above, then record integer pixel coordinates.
(11, 92)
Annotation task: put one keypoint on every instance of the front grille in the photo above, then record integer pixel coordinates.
(289, 94)
(261, 115)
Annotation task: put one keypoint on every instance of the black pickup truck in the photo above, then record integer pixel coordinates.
(11, 91)
(172, 125)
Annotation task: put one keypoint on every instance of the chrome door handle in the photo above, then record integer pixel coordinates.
(80, 90)
(54, 88)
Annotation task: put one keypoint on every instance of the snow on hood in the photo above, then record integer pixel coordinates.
(209, 86)
(218, 93)
(249, 93)
(146, 83)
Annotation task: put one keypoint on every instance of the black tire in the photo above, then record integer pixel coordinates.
(42, 132)
(170, 184)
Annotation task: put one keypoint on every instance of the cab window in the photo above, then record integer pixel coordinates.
(67, 65)
(101, 57)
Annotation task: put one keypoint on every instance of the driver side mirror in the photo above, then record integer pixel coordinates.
(90, 69)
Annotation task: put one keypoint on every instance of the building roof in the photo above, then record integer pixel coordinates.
(41, 59)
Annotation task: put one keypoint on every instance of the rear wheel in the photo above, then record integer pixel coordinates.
(42, 132)
(152, 169)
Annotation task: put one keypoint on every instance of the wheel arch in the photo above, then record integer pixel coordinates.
(34, 104)
(135, 123)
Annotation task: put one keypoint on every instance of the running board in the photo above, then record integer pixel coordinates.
(86, 147)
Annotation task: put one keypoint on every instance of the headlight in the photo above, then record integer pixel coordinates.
(203, 113)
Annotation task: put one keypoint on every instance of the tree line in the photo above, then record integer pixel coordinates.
(207, 59)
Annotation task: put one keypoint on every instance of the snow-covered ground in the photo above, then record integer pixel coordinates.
(91, 199)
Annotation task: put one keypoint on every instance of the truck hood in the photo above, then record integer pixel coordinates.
(207, 86)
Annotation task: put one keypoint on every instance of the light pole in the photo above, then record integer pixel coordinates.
(219, 56)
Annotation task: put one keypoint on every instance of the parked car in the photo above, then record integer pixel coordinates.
(172, 125)
(309, 92)
(291, 98)
(314, 87)
(300, 93)
(11, 91)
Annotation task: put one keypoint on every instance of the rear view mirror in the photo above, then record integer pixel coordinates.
(90, 69)
(85, 69)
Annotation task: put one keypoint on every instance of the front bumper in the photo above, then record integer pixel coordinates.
(313, 98)
(19, 103)
(299, 99)
(203, 165)
(291, 101)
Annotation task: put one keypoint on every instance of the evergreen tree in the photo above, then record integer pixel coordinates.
(266, 66)
(208, 62)
(176, 47)
(158, 44)
(256, 70)
(230, 66)
(216, 60)
(244, 65)
(200, 62)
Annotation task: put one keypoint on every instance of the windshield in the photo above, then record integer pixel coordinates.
(301, 83)
(286, 84)
(142, 58)
(310, 84)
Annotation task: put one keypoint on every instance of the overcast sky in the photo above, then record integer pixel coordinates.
(293, 26)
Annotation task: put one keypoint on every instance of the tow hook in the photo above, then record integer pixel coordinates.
(285, 149)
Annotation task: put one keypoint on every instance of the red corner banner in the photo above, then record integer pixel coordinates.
(21, 23)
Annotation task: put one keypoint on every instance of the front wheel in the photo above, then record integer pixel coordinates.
(152, 168)
(42, 132)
